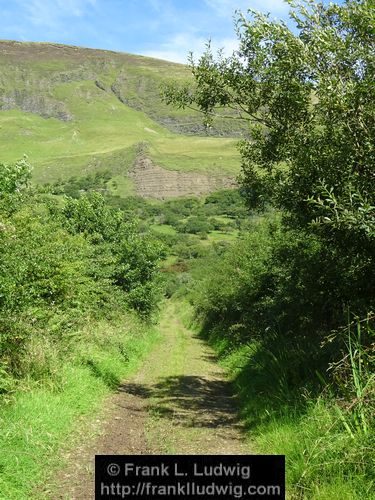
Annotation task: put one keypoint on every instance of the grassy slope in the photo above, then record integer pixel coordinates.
(323, 461)
(90, 87)
(57, 415)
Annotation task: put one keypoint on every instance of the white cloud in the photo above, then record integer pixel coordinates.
(157, 5)
(225, 8)
(178, 47)
(51, 13)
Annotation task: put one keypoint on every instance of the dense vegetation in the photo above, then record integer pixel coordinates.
(281, 273)
(61, 263)
(79, 293)
(78, 288)
(290, 307)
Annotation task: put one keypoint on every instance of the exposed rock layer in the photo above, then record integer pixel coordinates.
(152, 181)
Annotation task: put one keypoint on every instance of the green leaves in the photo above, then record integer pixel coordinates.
(353, 213)
(126, 258)
(91, 215)
(307, 95)
(59, 264)
(13, 183)
(14, 178)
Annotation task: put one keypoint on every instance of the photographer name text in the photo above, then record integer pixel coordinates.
(164, 470)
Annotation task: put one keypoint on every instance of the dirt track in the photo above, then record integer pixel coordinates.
(178, 402)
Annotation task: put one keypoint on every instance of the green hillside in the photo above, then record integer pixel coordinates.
(74, 111)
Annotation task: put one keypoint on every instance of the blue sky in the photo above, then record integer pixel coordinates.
(166, 29)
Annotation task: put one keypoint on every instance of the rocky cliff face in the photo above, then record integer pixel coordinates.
(152, 181)
(30, 72)
(41, 105)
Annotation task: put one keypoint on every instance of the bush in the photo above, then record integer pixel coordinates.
(282, 288)
(60, 264)
(195, 225)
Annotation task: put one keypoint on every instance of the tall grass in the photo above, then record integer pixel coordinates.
(48, 412)
(359, 384)
(328, 438)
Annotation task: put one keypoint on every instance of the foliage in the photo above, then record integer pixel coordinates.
(277, 304)
(60, 263)
(13, 179)
(74, 186)
(261, 311)
(226, 201)
(70, 275)
(308, 97)
(195, 225)
(90, 215)
(134, 257)
(328, 441)
(136, 271)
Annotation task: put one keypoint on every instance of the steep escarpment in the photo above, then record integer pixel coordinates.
(153, 181)
(66, 107)
(31, 73)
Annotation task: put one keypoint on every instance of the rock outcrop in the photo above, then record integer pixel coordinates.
(152, 181)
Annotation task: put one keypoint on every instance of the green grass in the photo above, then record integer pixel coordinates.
(230, 236)
(102, 129)
(201, 154)
(60, 150)
(38, 424)
(163, 229)
(226, 219)
(122, 186)
(170, 260)
(323, 460)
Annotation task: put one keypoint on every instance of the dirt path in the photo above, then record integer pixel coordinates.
(179, 402)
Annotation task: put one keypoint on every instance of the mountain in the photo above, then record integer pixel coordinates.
(75, 111)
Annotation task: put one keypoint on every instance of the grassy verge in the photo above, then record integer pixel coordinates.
(328, 444)
(43, 417)
(325, 458)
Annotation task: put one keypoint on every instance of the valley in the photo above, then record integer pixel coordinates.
(187, 255)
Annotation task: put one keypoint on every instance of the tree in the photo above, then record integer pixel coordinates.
(14, 180)
(15, 177)
(120, 253)
(307, 94)
(308, 98)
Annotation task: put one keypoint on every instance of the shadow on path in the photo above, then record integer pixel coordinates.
(192, 401)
